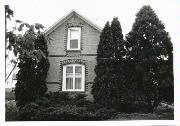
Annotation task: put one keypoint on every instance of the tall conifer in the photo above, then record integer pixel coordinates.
(117, 64)
(102, 88)
(150, 50)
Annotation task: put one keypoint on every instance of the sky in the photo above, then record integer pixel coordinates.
(48, 12)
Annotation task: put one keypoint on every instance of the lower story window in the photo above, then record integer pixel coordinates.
(73, 77)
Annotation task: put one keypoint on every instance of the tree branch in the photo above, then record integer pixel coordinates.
(11, 71)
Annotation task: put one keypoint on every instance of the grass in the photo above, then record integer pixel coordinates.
(143, 116)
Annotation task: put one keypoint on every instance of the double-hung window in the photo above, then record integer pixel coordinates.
(73, 77)
(74, 38)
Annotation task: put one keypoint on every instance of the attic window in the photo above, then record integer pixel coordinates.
(74, 35)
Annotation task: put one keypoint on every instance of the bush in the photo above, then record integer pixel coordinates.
(134, 107)
(63, 106)
(72, 113)
(141, 107)
(93, 107)
(65, 98)
(43, 101)
(10, 95)
(34, 112)
(11, 111)
(60, 106)
(68, 112)
(104, 113)
(29, 111)
(163, 109)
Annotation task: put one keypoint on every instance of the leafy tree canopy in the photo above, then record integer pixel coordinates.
(30, 48)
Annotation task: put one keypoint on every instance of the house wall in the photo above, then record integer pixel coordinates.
(89, 37)
(58, 55)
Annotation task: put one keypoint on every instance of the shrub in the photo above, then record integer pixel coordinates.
(29, 111)
(163, 109)
(33, 111)
(10, 95)
(58, 98)
(104, 113)
(62, 106)
(68, 112)
(11, 111)
(64, 98)
(43, 101)
(93, 107)
(72, 113)
(80, 100)
(142, 107)
(134, 107)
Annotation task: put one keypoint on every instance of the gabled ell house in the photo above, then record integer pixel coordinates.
(72, 54)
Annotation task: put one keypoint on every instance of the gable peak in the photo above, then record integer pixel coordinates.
(63, 19)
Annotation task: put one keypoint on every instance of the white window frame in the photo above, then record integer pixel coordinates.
(69, 38)
(64, 78)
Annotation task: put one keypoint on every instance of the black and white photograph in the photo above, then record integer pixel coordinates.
(109, 62)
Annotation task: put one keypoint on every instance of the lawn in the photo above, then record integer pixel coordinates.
(144, 116)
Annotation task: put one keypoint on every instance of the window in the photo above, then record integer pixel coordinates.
(74, 35)
(73, 77)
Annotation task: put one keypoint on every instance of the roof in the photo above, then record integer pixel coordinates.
(66, 17)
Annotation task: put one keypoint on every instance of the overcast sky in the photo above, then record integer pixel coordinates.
(48, 12)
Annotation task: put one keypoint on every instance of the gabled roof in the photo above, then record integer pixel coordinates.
(66, 17)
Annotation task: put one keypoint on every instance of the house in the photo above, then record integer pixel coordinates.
(72, 54)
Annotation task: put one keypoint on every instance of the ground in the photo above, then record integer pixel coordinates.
(143, 116)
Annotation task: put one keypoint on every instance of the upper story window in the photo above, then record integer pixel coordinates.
(74, 38)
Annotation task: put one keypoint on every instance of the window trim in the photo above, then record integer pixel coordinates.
(68, 39)
(82, 82)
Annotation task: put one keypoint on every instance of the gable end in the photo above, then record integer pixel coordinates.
(66, 17)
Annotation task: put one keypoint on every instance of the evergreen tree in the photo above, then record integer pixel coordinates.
(103, 87)
(118, 41)
(117, 64)
(150, 53)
